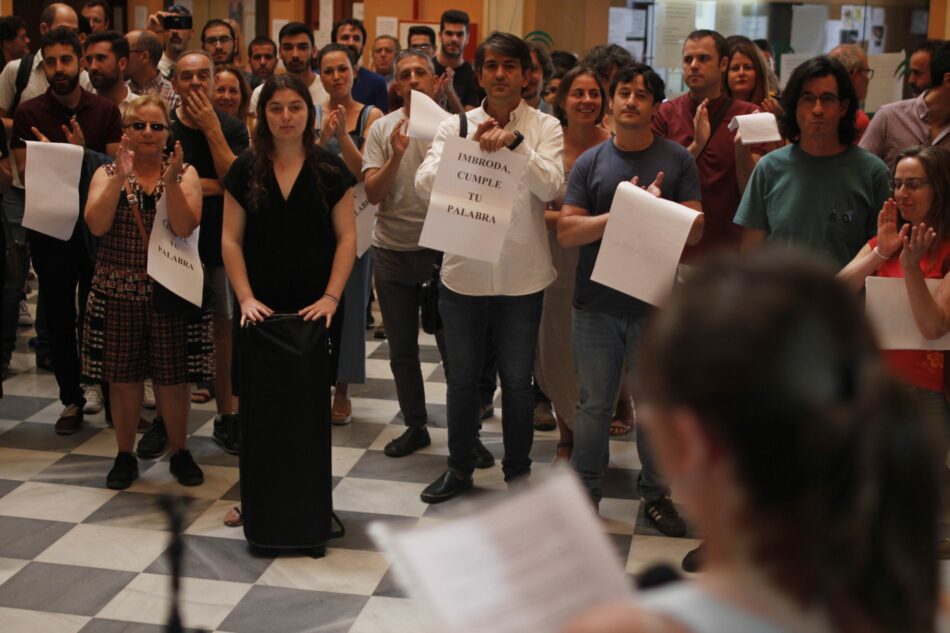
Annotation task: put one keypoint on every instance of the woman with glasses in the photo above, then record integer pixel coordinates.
(126, 339)
(913, 242)
(343, 124)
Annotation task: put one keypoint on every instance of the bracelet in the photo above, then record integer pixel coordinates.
(329, 296)
(877, 252)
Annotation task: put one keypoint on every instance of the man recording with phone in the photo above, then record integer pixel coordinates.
(175, 25)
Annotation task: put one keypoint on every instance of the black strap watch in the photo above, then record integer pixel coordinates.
(518, 138)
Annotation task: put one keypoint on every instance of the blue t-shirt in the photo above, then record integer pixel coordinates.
(370, 89)
(594, 179)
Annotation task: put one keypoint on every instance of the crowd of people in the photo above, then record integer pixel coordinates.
(759, 388)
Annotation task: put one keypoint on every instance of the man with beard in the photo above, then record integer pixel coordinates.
(176, 40)
(217, 38)
(14, 42)
(107, 56)
(65, 113)
(542, 71)
(453, 32)
(368, 87)
(262, 59)
(145, 50)
(296, 51)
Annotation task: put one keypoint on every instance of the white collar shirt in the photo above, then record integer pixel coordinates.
(524, 266)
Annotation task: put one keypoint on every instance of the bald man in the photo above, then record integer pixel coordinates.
(145, 51)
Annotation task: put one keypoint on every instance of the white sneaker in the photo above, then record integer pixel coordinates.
(25, 319)
(149, 401)
(93, 396)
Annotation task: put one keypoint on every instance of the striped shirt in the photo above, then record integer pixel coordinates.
(900, 125)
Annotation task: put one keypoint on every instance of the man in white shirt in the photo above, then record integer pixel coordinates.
(177, 41)
(506, 295)
(295, 44)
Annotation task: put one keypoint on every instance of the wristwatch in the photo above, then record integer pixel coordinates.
(518, 138)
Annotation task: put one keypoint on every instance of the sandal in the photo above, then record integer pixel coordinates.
(619, 427)
(234, 518)
(201, 395)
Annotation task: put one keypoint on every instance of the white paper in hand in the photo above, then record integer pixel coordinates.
(470, 207)
(365, 219)
(888, 307)
(760, 127)
(498, 568)
(425, 116)
(52, 192)
(642, 244)
(173, 261)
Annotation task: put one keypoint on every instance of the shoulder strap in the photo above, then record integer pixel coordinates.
(134, 205)
(463, 125)
(364, 115)
(716, 120)
(22, 79)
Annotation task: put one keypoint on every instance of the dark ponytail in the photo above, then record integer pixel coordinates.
(840, 471)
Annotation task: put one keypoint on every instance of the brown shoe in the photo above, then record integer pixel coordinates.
(342, 411)
(70, 420)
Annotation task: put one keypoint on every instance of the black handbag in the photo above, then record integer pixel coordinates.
(429, 300)
(163, 299)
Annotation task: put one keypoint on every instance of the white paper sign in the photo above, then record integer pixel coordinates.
(498, 568)
(887, 84)
(173, 261)
(673, 21)
(888, 308)
(365, 219)
(52, 191)
(642, 244)
(470, 208)
(789, 62)
(425, 116)
(638, 27)
(760, 127)
(619, 25)
(387, 25)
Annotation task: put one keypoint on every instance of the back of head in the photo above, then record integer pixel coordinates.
(940, 65)
(606, 59)
(544, 59)
(563, 60)
(149, 42)
(850, 56)
(839, 472)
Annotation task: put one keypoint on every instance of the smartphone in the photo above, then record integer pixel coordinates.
(176, 21)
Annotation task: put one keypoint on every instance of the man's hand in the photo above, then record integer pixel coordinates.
(39, 135)
(444, 85)
(74, 133)
(653, 187)
(701, 125)
(155, 22)
(201, 110)
(399, 139)
(492, 137)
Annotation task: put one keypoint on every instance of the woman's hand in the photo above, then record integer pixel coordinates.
(336, 121)
(253, 311)
(771, 104)
(325, 306)
(175, 161)
(889, 238)
(916, 246)
(123, 159)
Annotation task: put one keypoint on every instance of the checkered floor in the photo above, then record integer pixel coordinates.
(75, 556)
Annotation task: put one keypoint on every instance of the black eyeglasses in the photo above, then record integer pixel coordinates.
(213, 41)
(141, 125)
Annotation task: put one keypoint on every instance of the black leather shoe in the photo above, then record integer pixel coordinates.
(227, 432)
(483, 456)
(445, 487)
(693, 561)
(154, 442)
(412, 439)
(486, 411)
(124, 471)
(182, 465)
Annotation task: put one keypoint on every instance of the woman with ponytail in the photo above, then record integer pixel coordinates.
(806, 466)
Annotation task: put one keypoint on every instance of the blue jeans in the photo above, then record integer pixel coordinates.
(514, 333)
(601, 344)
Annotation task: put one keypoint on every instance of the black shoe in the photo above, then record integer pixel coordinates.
(663, 514)
(486, 411)
(445, 487)
(227, 432)
(124, 471)
(44, 362)
(185, 469)
(483, 456)
(693, 561)
(155, 441)
(411, 440)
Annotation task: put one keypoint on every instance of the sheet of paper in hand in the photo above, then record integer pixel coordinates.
(498, 568)
(425, 116)
(760, 127)
(52, 197)
(365, 219)
(642, 244)
(472, 196)
(173, 261)
(888, 307)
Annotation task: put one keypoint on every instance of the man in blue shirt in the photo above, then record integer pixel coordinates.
(368, 87)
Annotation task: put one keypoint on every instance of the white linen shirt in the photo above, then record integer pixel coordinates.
(524, 266)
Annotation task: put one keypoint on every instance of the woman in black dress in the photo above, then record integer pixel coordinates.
(289, 238)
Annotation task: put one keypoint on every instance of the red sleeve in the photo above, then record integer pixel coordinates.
(114, 125)
(660, 125)
(22, 122)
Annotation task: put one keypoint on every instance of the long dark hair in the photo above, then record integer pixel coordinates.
(262, 169)
(816, 67)
(936, 163)
(742, 44)
(839, 470)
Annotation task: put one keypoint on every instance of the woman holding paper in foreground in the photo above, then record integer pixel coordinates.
(913, 242)
(125, 339)
(803, 463)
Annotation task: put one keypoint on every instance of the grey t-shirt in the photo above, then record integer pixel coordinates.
(402, 212)
(594, 179)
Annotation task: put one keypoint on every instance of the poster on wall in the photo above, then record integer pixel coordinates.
(808, 28)
(673, 21)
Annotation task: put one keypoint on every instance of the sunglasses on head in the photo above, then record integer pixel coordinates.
(141, 125)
